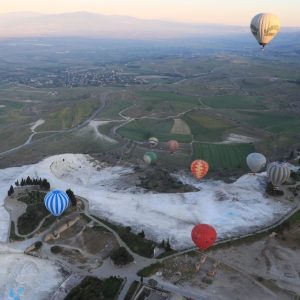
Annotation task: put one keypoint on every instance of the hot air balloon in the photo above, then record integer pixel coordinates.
(199, 168)
(56, 202)
(153, 141)
(270, 165)
(278, 173)
(172, 146)
(256, 162)
(150, 158)
(204, 236)
(264, 27)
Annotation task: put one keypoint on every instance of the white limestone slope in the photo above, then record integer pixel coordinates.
(231, 208)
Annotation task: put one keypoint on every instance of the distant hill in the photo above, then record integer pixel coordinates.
(97, 25)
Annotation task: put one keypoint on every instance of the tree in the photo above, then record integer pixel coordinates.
(71, 196)
(17, 183)
(22, 182)
(121, 257)
(28, 181)
(162, 244)
(168, 246)
(45, 185)
(141, 234)
(11, 191)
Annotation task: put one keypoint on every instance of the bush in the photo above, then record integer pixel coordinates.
(273, 191)
(71, 196)
(92, 288)
(56, 249)
(148, 271)
(38, 245)
(121, 257)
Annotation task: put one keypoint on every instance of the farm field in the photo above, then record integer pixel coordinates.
(161, 104)
(202, 98)
(206, 128)
(234, 101)
(142, 129)
(223, 156)
(274, 121)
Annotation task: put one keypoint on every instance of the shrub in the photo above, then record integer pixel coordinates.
(121, 257)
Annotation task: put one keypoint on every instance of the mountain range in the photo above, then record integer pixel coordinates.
(104, 26)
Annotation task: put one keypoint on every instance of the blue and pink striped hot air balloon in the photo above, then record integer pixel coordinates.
(56, 202)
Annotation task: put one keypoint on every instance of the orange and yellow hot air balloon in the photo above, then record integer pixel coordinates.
(199, 168)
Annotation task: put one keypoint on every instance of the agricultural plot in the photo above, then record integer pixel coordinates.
(206, 128)
(235, 102)
(275, 121)
(158, 103)
(13, 137)
(113, 109)
(70, 116)
(223, 156)
(141, 130)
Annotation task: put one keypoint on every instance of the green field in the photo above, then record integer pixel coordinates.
(206, 128)
(141, 130)
(275, 121)
(223, 156)
(113, 108)
(70, 116)
(236, 102)
(160, 103)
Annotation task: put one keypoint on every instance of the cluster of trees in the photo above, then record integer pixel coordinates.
(43, 183)
(165, 245)
(93, 288)
(121, 257)
(72, 197)
(273, 191)
(10, 191)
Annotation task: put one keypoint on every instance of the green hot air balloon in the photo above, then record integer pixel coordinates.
(150, 158)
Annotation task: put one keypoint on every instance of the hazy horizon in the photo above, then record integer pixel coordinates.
(230, 12)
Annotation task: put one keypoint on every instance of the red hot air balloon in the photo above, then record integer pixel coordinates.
(199, 168)
(173, 145)
(204, 236)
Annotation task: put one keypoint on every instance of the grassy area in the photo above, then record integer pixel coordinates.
(276, 122)
(94, 288)
(136, 243)
(47, 223)
(132, 290)
(206, 128)
(223, 156)
(113, 108)
(150, 270)
(166, 254)
(13, 136)
(235, 102)
(161, 103)
(33, 198)
(70, 116)
(142, 129)
(29, 221)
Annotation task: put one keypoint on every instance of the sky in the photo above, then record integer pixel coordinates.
(235, 12)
